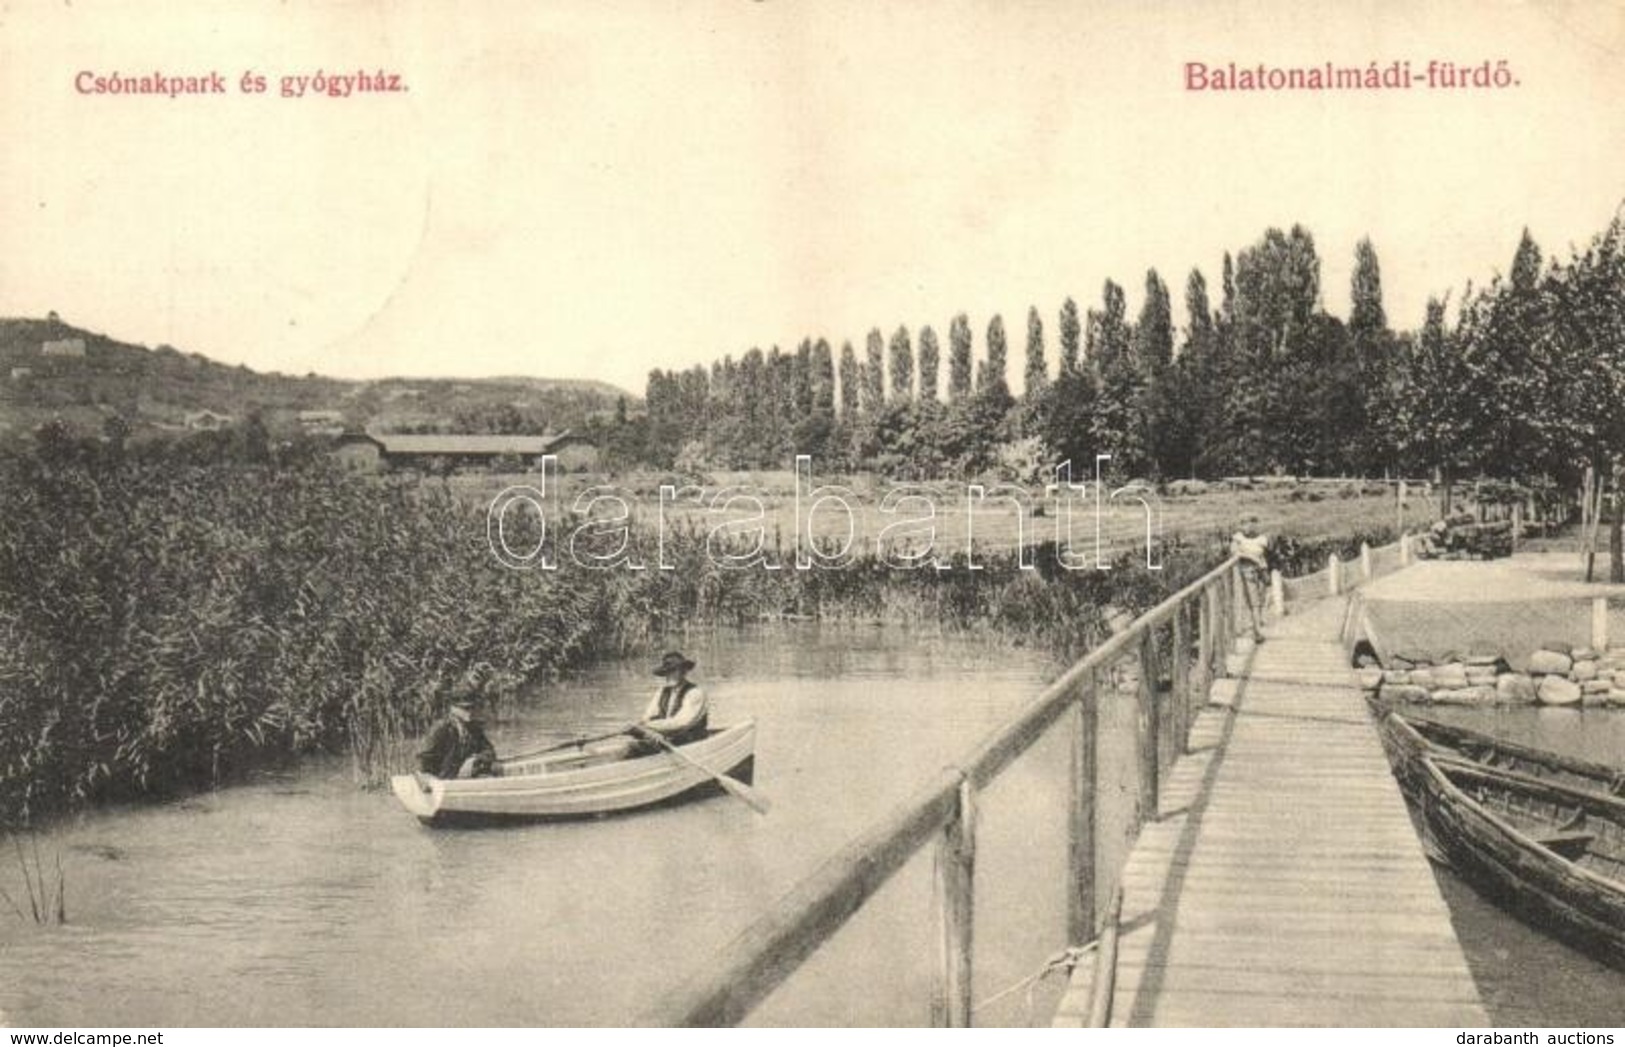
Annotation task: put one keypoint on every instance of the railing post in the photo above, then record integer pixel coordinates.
(1255, 609)
(955, 905)
(1182, 681)
(1149, 727)
(1080, 921)
(1599, 624)
(1334, 575)
(1405, 550)
(1277, 593)
(1216, 645)
(1365, 562)
(1204, 643)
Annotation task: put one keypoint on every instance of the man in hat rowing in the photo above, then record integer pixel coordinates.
(458, 747)
(678, 711)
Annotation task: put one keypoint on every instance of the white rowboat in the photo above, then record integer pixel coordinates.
(581, 782)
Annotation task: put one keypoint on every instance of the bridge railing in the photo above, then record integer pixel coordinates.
(1174, 651)
(1341, 576)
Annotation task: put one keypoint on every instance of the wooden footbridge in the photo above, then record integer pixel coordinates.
(1283, 883)
(1276, 878)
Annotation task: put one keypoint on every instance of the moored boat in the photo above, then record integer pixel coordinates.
(581, 782)
(1407, 738)
(1551, 854)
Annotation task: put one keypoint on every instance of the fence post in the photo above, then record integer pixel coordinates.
(1517, 524)
(1599, 624)
(1277, 593)
(1182, 680)
(1334, 574)
(1365, 562)
(955, 905)
(1149, 727)
(1080, 921)
(1405, 550)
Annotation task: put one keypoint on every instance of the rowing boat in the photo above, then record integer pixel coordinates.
(1551, 854)
(1409, 737)
(581, 782)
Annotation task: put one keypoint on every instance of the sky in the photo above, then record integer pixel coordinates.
(594, 189)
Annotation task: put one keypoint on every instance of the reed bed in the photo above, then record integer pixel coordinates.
(44, 897)
(167, 622)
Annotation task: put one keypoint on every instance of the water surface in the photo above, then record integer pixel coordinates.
(299, 899)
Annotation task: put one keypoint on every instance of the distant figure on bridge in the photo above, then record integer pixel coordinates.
(1253, 549)
(677, 713)
(458, 747)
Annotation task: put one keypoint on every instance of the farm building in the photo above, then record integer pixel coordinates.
(396, 451)
(322, 423)
(576, 453)
(70, 347)
(207, 419)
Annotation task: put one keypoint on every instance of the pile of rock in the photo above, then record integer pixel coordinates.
(1558, 674)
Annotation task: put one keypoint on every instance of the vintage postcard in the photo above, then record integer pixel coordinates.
(758, 512)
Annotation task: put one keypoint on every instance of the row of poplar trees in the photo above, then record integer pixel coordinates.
(1524, 380)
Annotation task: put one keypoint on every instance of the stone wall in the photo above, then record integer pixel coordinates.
(1557, 675)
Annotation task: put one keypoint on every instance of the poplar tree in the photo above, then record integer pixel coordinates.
(929, 365)
(990, 380)
(1036, 375)
(959, 358)
(1158, 409)
(1116, 423)
(1197, 381)
(851, 380)
(1372, 345)
(902, 366)
(823, 377)
(874, 374)
(1070, 331)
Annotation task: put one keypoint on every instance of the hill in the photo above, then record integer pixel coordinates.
(50, 369)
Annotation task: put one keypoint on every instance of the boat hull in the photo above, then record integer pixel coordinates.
(588, 792)
(1408, 738)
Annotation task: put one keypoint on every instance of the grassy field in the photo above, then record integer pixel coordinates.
(1308, 511)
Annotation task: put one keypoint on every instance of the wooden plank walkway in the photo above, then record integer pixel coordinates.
(1284, 884)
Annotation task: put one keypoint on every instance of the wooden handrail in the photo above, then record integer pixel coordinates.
(1008, 742)
(770, 949)
(765, 953)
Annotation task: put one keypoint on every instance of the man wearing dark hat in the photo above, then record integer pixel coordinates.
(458, 747)
(678, 710)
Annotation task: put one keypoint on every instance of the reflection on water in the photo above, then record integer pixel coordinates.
(1527, 977)
(299, 900)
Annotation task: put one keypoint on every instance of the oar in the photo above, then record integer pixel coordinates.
(571, 744)
(758, 803)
